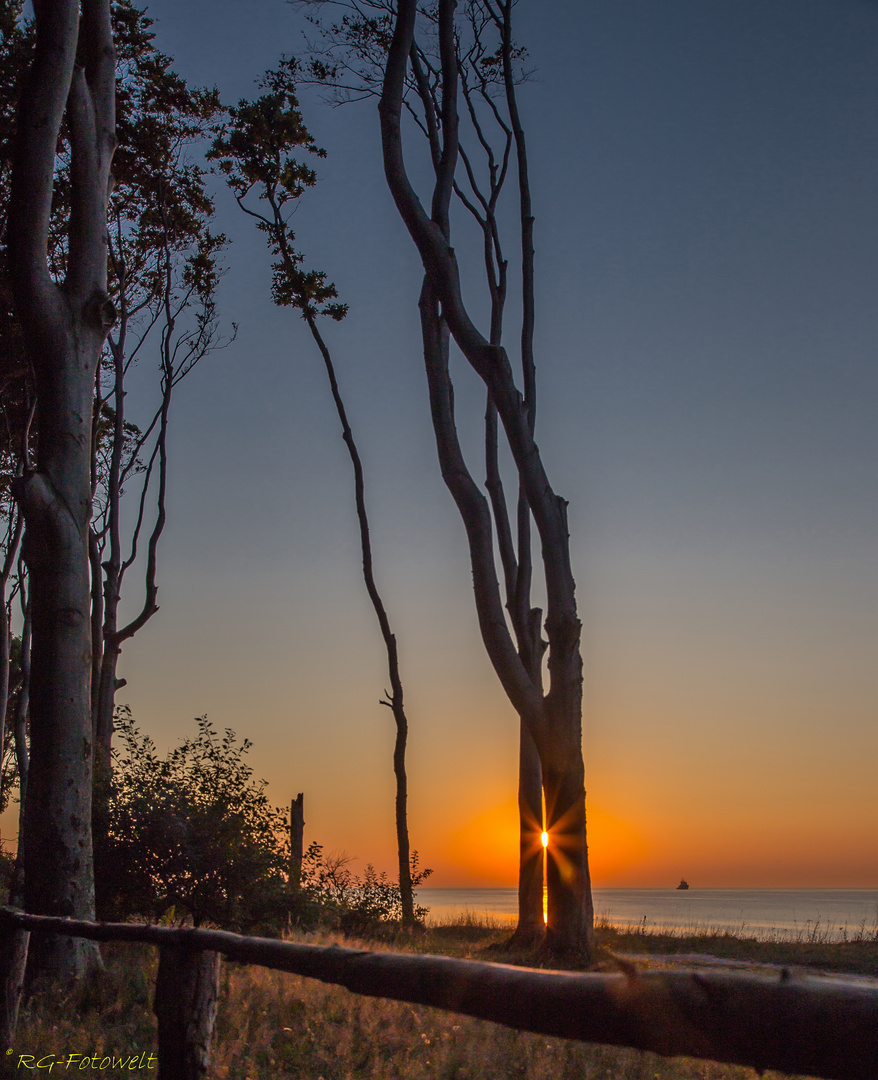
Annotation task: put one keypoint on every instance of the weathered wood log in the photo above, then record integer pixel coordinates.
(186, 999)
(297, 835)
(795, 1023)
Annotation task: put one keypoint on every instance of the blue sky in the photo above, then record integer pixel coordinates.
(704, 178)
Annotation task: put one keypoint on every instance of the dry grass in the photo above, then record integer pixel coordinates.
(815, 945)
(274, 1026)
(298, 1028)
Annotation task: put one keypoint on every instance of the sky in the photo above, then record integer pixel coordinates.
(704, 181)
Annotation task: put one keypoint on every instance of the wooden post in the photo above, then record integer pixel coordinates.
(186, 997)
(297, 832)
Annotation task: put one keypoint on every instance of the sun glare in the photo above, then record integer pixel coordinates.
(545, 839)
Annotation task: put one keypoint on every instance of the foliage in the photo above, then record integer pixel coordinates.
(346, 57)
(370, 905)
(253, 151)
(162, 255)
(16, 42)
(192, 834)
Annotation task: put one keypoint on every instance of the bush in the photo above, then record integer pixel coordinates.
(367, 906)
(191, 835)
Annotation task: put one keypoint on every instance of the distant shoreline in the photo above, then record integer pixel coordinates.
(671, 888)
(833, 913)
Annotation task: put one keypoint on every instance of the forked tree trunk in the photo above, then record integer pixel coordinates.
(530, 910)
(555, 723)
(112, 635)
(64, 329)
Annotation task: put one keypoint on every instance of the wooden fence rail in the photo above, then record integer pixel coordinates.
(795, 1023)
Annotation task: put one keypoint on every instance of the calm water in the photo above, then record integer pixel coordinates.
(760, 911)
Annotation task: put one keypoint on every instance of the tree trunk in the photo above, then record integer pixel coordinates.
(530, 910)
(107, 583)
(531, 862)
(104, 684)
(58, 848)
(103, 656)
(406, 889)
(556, 720)
(13, 958)
(570, 927)
(5, 643)
(21, 749)
(395, 695)
(64, 328)
(12, 542)
(297, 839)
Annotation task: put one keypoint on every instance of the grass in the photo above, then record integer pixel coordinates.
(273, 1026)
(815, 945)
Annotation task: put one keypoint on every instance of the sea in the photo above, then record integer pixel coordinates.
(827, 914)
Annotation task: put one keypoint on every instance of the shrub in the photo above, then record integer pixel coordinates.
(191, 834)
(370, 905)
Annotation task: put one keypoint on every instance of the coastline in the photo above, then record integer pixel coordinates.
(835, 914)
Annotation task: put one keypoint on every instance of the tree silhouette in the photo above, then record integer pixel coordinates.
(474, 60)
(554, 718)
(160, 284)
(254, 154)
(163, 276)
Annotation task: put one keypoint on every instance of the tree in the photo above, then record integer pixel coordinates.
(367, 906)
(70, 85)
(553, 718)
(255, 156)
(192, 833)
(350, 56)
(162, 277)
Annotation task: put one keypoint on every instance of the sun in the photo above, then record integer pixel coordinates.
(545, 839)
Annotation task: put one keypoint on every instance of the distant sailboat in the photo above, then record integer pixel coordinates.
(684, 884)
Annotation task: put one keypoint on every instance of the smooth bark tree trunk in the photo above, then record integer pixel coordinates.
(13, 959)
(570, 927)
(64, 328)
(531, 862)
(58, 848)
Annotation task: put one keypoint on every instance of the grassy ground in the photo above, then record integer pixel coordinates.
(812, 947)
(274, 1026)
